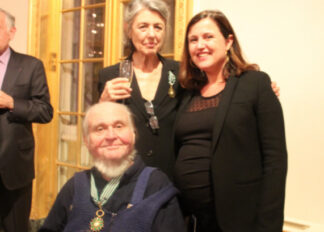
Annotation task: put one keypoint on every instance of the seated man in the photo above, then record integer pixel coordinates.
(119, 193)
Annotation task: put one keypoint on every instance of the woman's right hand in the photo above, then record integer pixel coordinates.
(116, 89)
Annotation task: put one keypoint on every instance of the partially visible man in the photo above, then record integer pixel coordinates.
(24, 99)
(119, 193)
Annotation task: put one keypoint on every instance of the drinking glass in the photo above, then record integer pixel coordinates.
(126, 70)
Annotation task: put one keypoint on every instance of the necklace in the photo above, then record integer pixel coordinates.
(97, 223)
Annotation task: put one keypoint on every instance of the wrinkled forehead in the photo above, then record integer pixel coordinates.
(109, 116)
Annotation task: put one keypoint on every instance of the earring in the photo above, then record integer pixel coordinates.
(227, 55)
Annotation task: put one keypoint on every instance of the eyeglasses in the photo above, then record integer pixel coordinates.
(153, 120)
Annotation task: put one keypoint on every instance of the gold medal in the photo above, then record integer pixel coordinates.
(171, 92)
(171, 80)
(97, 223)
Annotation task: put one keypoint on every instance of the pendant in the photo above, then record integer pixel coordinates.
(171, 92)
(97, 223)
(171, 81)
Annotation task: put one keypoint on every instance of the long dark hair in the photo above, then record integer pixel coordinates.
(191, 77)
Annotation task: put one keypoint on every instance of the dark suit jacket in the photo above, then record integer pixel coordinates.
(249, 157)
(25, 81)
(156, 148)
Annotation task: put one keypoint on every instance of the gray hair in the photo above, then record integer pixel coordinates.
(85, 125)
(135, 6)
(10, 19)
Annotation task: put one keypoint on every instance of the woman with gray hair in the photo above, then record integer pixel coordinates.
(154, 92)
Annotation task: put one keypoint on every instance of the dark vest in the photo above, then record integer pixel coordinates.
(138, 218)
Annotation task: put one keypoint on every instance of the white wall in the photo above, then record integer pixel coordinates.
(286, 38)
(19, 9)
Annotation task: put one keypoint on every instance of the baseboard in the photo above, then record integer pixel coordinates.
(294, 225)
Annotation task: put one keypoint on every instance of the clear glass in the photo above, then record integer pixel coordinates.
(68, 139)
(90, 84)
(94, 32)
(126, 69)
(69, 87)
(70, 38)
(66, 4)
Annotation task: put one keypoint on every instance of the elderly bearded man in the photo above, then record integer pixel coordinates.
(119, 193)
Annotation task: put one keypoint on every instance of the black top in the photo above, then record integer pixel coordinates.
(193, 134)
(156, 148)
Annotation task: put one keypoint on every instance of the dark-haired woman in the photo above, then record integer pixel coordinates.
(229, 132)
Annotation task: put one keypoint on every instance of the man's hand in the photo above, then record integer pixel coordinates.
(6, 101)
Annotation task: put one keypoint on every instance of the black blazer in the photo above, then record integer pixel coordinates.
(25, 81)
(249, 157)
(155, 149)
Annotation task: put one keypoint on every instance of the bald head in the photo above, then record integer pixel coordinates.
(111, 108)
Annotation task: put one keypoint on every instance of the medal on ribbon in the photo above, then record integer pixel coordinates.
(97, 223)
(171, 81)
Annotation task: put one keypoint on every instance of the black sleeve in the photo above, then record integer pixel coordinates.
(57, 217)
(274, 156)
(169, 218)
(36, 107)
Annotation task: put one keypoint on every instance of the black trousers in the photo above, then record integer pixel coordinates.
(15, 208)
(202, 220)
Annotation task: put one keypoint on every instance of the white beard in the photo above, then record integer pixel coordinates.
(111, 169)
